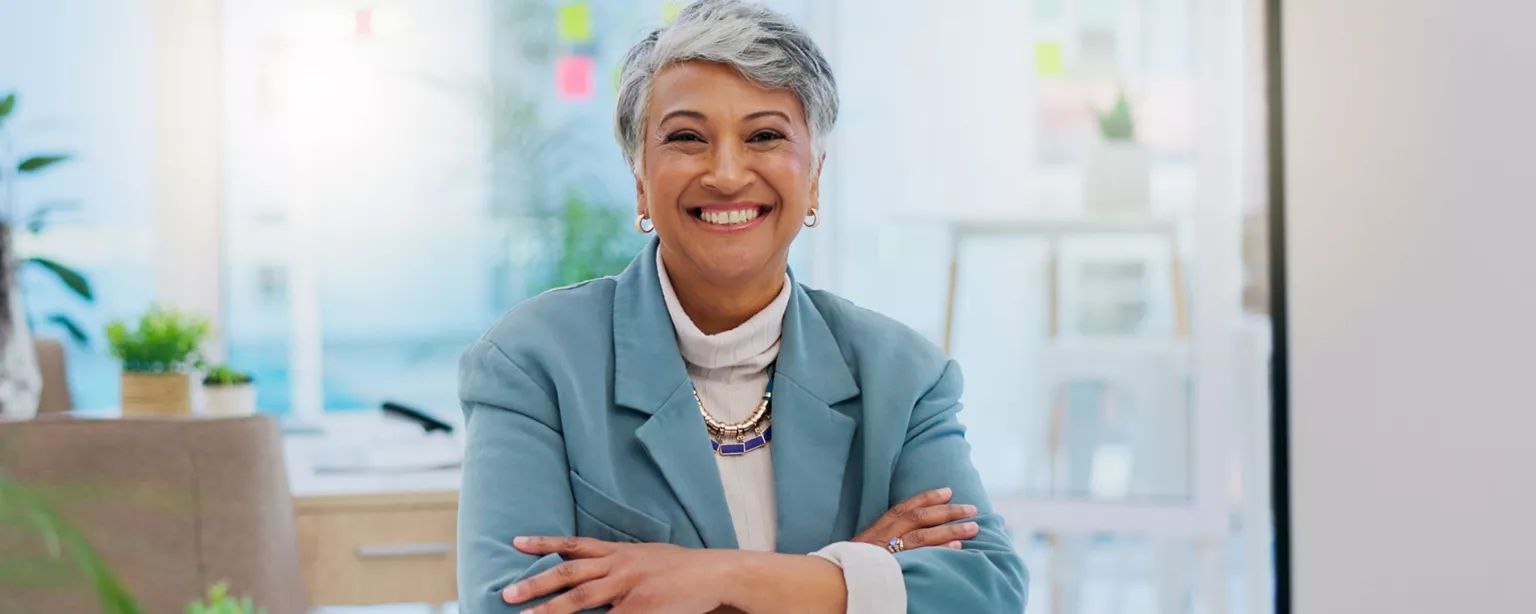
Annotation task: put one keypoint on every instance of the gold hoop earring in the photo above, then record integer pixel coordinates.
(640, 226)
(811, 219)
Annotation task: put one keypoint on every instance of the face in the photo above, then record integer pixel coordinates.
(727, 172)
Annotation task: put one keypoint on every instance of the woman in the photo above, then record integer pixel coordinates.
(701, 433)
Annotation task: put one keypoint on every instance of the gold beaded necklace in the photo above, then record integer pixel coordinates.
(742, 437)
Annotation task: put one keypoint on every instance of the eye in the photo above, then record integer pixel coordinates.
(763, 136)
(685, 137)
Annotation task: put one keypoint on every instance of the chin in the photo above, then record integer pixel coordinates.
(735, 264)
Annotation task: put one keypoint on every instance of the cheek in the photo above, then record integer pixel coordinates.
(664, 185)
(790, 177)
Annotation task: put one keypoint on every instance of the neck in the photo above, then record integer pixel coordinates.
(716, 307)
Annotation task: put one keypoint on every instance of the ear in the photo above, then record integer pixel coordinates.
(816, 182)
(641, 206)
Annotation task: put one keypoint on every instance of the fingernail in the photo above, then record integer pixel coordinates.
(520, 542)
(969, 527)
(970, 510)
(953, 545)
(945, 491)
(510, 594)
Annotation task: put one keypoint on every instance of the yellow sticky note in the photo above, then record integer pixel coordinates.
(669, 12)
(573, 23)
(618, 74)
(1050, 61)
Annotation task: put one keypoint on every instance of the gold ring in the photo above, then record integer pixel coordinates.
(895, 545)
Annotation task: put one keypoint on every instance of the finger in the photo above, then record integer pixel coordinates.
(940, 535)
(936, 515)
(904, 516)
(564, 575)
(581, 597)
(574, 547)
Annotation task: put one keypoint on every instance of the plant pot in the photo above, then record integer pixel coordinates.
(229, 400)
(157, 394)
(20, 381)
(1117, 180)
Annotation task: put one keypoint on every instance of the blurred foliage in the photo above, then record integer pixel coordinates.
(34, 220)
(68, 556)
(582, 233)
(595, 239)
(223, 375)
(1118, 124)
(165, 341)
(219, 601)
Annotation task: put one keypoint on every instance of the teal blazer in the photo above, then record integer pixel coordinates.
(580, 421)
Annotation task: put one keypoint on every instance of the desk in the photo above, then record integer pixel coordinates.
(371, 538)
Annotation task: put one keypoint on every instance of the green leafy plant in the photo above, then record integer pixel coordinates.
(223, 375)
(33, 220)
(24, 511)
(165, 341)
(537, 157)
(593, 240)
(1118, 124)
(219, 601)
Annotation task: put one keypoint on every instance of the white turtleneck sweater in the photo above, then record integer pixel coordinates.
(730, 370)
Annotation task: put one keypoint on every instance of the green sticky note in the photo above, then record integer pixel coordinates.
(618, 72)
(573, 23)
(669, 12)
(1050, 61)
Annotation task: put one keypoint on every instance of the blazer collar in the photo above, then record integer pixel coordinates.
(648, 367)
(811, 442)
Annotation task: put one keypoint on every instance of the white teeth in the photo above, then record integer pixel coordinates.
(729, 218)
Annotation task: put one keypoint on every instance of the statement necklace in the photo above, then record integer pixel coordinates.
(742, 437)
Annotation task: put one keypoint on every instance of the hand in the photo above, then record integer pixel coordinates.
(632, 577)
(921, 522)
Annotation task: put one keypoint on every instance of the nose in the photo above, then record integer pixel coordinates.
(728, 172)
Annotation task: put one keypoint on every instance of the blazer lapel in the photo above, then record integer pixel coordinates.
(811, 439)
(649, 377)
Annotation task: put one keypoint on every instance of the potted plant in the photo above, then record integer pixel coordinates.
(158, 359)
(228, 392)
(1118, 176)
(20, 382)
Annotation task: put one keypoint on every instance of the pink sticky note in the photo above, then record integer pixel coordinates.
(573, 76)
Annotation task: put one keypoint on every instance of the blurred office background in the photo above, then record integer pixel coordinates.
(1067, 195)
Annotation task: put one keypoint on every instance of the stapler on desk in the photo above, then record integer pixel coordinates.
(427, 422)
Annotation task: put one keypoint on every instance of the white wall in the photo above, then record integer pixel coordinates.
(1413, 304)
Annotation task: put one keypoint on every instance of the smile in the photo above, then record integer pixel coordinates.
(730, 217)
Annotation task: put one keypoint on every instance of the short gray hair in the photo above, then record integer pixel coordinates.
(764, 46)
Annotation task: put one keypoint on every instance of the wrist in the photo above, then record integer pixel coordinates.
(755, 582)
(732, 573)
(738, 575)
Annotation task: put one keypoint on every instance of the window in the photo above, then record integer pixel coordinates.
(82, 77)
(399, 176)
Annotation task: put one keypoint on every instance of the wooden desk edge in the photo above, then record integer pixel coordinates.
(402, 501)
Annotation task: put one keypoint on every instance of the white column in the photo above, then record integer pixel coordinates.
(1409, 213)
(188, 155)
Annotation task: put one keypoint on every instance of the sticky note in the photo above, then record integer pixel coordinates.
(618, 76)
(1049, 60)
(573, 76)
(669, 12)
(573, 23)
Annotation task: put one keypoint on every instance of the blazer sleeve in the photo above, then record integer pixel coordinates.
(987, 575)
(516, 479)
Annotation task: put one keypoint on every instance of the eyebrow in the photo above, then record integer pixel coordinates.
(700, 116)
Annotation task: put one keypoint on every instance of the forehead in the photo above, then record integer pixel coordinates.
(716, 89)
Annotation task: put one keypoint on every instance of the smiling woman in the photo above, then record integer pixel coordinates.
(703, 433)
